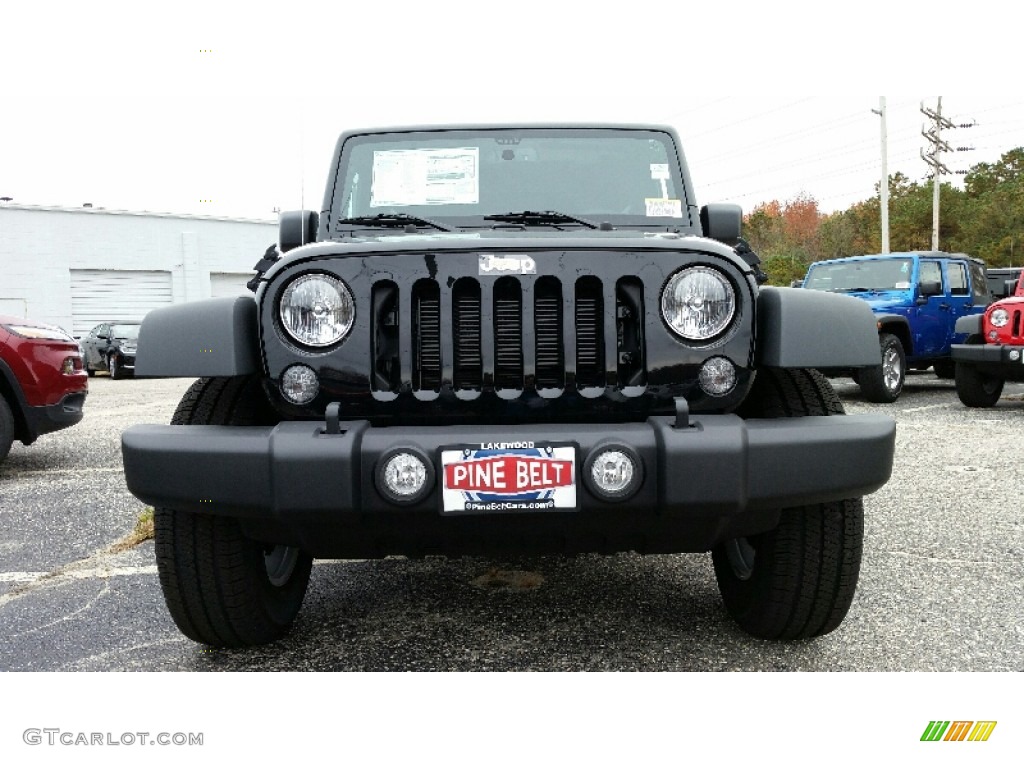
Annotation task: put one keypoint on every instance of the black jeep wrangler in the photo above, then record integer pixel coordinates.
(504, 340)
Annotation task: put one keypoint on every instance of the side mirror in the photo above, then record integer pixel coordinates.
(296, 228)
(722, 221)
(1010, 287)
(930, 288)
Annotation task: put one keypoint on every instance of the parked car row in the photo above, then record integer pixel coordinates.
(933, 310)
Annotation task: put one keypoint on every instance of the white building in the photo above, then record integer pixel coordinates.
(77, 267)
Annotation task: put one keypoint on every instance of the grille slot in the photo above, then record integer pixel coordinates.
(426, 303)
(467, 324)
(547, 318)
(508, 334)
(384, 333)
(589, 333)
(1016, 324)
(629, 325)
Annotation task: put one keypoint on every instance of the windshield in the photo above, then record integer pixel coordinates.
(459, 177)
(125, 331)
(872, 275)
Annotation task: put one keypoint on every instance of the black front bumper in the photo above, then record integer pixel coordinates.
(42, 419)
(1005, 361)
(717, 478)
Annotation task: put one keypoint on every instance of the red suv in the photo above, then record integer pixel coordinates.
(42, 381)
(994, 350)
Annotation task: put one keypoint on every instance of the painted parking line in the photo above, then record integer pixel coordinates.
(101, 572)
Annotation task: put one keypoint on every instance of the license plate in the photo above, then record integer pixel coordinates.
(515, 476)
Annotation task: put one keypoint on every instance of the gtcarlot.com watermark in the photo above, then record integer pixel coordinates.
(54, 737)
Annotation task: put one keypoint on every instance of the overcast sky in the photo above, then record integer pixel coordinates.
(203, 110)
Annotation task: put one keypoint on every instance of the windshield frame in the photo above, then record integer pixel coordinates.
(335, 207)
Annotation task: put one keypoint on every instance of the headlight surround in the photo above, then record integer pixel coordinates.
(698, 303)
(999, 317)
(317, 310)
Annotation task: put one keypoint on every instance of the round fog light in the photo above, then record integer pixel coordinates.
(613, 472)
(299, 384)
(404, 476)
(717, 376)
(1014, 355)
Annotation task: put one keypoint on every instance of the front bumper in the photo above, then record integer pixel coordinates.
(1005, 361)
(717, 478)
(42, 419)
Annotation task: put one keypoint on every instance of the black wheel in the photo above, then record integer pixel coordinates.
(976, 389)
(221, 587)
(114, 367)
(797, 580)
(6, 428)
(945, 369)
(884, 383)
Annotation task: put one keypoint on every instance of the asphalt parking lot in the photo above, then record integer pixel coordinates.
(941, 588)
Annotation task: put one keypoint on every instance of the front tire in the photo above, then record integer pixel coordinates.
(884, 383)
(114, 367)
(221, 587)
(976, 389)
(797, 580)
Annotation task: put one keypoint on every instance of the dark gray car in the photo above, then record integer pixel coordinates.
(111, 346)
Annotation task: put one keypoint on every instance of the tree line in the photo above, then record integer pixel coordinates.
(985, 219)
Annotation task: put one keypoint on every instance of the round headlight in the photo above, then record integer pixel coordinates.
(999, 317)
(698, 303)
(317, 310)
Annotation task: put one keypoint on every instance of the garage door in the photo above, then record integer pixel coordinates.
(229, 284)
(100, 295)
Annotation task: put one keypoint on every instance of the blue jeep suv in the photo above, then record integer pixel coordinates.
(917, 297)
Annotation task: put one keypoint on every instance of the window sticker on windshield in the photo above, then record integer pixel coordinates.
(902, 285)
(425, 177)
(659, 171)
(660, 206)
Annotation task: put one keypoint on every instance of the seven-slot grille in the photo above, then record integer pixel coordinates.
(512, 333)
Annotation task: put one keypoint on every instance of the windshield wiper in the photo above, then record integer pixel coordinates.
(539, 218)
(394, 220)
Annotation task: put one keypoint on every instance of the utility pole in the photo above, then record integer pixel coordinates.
(933, 158)
(883, 189)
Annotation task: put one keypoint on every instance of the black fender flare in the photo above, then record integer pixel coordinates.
(970, 325)
(212, 337)
(801, 328)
